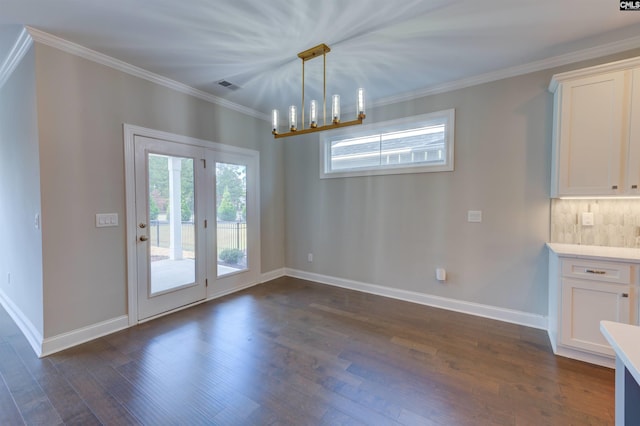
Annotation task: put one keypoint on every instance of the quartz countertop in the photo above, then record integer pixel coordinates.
(596, 252)
(624, 339)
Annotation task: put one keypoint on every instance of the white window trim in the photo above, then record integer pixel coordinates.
(367, 129)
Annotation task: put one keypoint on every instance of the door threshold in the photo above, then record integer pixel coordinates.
(178, 309)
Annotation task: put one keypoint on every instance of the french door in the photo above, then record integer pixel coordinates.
(192, 210)
(235, 236)
(171, 249)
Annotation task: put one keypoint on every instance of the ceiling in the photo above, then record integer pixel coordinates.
(393, 49)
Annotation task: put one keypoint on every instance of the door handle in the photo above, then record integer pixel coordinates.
(143, 238)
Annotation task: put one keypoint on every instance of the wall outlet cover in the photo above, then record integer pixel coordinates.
(587, 219)
(474, 216)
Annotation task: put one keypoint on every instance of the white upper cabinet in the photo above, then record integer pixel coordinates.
(596, 131)
(633, 159)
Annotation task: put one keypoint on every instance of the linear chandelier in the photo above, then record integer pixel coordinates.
(315, 52)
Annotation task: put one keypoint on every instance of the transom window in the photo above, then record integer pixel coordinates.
(415, 144)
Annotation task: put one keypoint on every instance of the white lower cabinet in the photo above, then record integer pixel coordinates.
(583, 292)
(584, 305)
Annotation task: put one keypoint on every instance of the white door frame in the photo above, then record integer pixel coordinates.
(252, 276)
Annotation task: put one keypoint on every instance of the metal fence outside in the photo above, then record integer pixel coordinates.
(231, 235)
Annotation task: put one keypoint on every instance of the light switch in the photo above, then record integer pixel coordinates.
(474, 216)
(104, 220)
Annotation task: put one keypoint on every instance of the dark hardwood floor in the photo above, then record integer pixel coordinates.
(294, 352)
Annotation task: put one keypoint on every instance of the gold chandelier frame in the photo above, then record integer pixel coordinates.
(313, 53)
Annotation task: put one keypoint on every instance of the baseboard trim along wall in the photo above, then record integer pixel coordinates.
(67, 340)
(51, 345)
(601, 360)
(24, 324)
(272, 275)
(486, 311)
(43, 347)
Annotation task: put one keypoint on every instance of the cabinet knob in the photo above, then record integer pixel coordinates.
(634, 186)
(625, 294)
(614, 187)
(595, 271)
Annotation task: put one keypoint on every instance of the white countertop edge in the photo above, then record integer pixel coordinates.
(625, 341)
(623, 254)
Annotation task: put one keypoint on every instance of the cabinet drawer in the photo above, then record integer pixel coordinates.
(611, 272)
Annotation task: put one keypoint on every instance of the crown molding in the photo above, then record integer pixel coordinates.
(100, 58)
(19, 49)
(552, 62)
(24, 42)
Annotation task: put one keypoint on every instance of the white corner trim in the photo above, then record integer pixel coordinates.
(100, 58)
(19, 49)
(486, 311)
(272, 275)
(555, 61)
(72, 338)
(24, 324)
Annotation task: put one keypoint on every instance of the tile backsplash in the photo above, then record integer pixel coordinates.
(616, 222)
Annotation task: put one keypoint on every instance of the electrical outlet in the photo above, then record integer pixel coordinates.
(587, 219)
(8, 277)
(310, 257)
(474, 216)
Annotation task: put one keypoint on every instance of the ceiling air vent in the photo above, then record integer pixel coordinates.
(228, 85)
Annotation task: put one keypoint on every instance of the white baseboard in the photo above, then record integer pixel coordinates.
(603, 360)
(272, 275)
(24, 324)
(486, 311)
(44, 347)
(63, 341)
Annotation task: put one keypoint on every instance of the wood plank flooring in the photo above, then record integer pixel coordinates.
(293, 352)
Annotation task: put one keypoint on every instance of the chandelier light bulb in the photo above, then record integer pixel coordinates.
(313, 114)
(361, 112)
(293, 118)
(335, 109)
(274, 121)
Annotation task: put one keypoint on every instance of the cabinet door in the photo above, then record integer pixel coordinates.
(584, 305)
(591, 135)
(633, 161)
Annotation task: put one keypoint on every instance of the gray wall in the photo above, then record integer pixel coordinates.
(394, 231)
(62, 154)
(81, 107)
(20, 241)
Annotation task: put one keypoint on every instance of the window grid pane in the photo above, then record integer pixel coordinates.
(423, 143)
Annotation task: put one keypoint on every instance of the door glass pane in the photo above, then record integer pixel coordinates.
(171, 223)
(231, 214)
